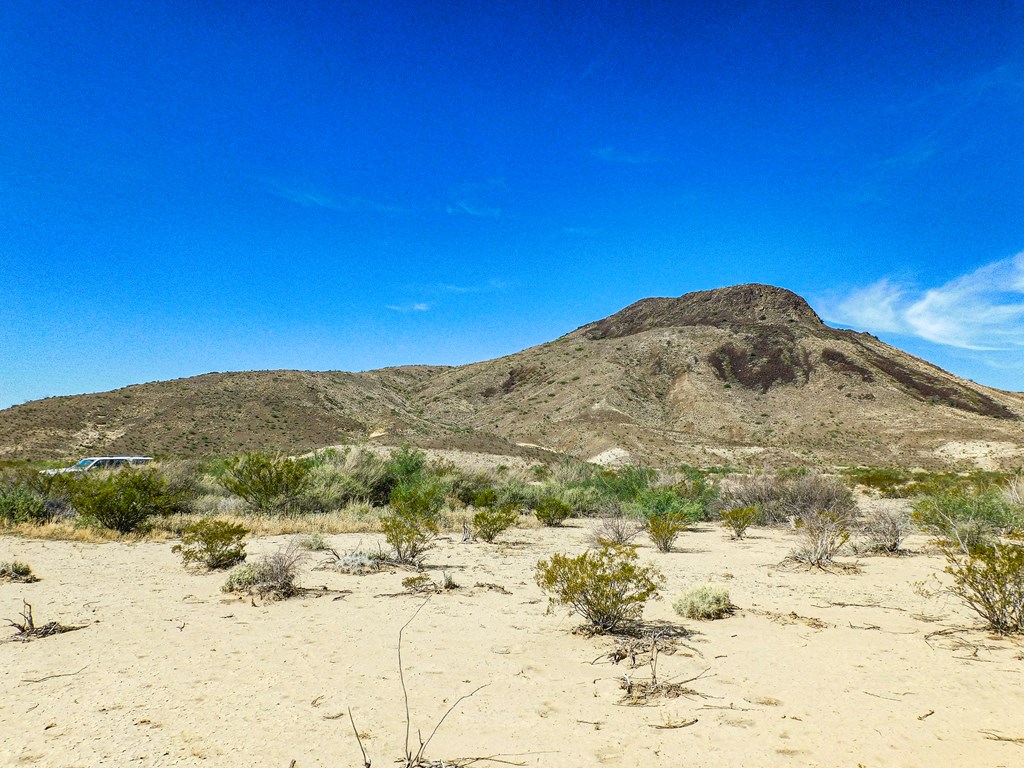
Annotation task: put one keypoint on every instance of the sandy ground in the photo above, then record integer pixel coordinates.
(816, 669)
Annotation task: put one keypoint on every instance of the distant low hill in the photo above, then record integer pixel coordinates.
(743, 375)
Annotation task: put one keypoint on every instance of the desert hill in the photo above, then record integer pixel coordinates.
(747, 374)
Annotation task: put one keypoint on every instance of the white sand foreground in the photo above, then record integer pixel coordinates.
(815, 669)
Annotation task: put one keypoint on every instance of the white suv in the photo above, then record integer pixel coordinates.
(102, 462)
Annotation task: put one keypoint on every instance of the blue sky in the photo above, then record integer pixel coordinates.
(197, 186)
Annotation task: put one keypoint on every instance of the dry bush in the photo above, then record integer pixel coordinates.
(705, 603)
(885, 529)
(779, 499)
(1013, 490)
(272, 575)
(28, 630)
(823, 533)
(616, 530)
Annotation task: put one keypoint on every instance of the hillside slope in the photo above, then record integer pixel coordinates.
(747, 374)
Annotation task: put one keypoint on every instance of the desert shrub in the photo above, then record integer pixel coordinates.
(552, 511)
(705, 602)
(823, 534)
(606, 587)
(16, 571)
(213, 543)
(413, 522)
(269, 484)
(625, 483)
(969, 518)
(20, 505)
(664, 529)
(272, 575)
(184, 478)
(738, 519)
(519, 494)
(1013, 490)
(125, 500)
(314, 542)
(616, 530)
(491, 521)
(407, 463)
(990, 581)
(778, 499)
(467, 486)
(583, 501)
(885, 529)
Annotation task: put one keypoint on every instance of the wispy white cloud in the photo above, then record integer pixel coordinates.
(982, 310)
(316, 199)
(473, 209)
(418, 307)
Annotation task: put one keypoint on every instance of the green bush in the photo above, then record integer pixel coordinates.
(269, 484)
(665, 528)
(607, 587)
(969, 518)
(20, 505)
(412, 524)
(491, 521)
(552, 511)
(125, 500)
(16, 571)
(738, 519)
(214, 543)
(407, 463)
(704, 603)
(990, 580)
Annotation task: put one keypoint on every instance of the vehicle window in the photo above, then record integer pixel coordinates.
(84, 463)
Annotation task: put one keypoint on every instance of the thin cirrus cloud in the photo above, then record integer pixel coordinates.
(982, 310)
(418, 307)
(314, 199)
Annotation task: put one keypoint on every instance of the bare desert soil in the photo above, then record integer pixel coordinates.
(815, 669)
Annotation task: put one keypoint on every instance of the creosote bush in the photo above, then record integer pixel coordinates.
(20, 505)
(738, 519)
(990, 579)
(125, 500)
(552, 511)
(213, 543)
(413, 522)
(704, 603)
(665, 529)
(268, 484)
(607, 587)
(492, 519)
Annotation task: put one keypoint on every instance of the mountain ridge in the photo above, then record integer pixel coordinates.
(744, 374)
